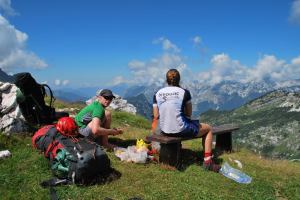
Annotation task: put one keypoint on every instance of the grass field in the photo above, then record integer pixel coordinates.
(21, 174)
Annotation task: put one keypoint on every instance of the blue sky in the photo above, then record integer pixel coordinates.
(69, 43)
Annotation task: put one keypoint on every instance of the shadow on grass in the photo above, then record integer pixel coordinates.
(104, 178)
(122, 143)
(107, 177)
(189, 157)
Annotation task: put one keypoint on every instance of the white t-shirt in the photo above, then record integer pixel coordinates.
(171, 101)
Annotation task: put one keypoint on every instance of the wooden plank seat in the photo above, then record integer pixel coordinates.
(171, 146)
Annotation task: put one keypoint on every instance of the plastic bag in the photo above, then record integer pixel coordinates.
(121, 153)
(137, 156)
(155, 145)
(131, 154)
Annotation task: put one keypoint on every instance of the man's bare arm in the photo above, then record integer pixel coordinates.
(97, 130)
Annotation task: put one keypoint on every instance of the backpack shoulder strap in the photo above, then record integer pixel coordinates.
(51, 183)
(54, 182)
(52, 98)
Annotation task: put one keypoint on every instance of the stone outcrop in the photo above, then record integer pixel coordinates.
(12, 120)
(122, 105)
(118, 104)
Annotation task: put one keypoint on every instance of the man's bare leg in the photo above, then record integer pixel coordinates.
(106, 124)
(207, 136)
(205, 131)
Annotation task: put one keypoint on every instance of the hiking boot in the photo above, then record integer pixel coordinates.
(211, 167)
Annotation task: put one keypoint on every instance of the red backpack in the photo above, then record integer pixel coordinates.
(78, 160)
(44, 140)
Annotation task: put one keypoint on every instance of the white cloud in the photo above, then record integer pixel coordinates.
(268, 67)
(152, 71)
(65, 82)
(292, 71)
(197, 40)
(5, 6)
(295, 12)
(223, 68)
(167, 45)
(13, 53)
(276, 69)
(135, 65)
(58, 82)
(118, 80)
(20, 58)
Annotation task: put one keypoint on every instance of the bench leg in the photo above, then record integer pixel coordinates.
(224, 142)
(170, 153)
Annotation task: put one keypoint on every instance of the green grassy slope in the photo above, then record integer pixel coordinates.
(21, 174)
(265, 126)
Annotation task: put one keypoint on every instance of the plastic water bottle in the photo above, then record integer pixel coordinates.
(235, 174)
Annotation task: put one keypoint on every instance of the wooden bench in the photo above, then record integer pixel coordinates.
(170, 147)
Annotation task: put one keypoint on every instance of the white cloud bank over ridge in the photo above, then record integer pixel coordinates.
(13, 53)
(267, 68)
(295, 12)
(223, 68)
(152, 71)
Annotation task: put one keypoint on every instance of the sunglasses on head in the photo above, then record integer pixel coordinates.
(108, 97)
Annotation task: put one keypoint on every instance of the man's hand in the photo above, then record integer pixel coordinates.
(117, 131)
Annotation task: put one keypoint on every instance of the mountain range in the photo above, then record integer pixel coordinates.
(226, 95)
(85, 93)
(5, 77)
